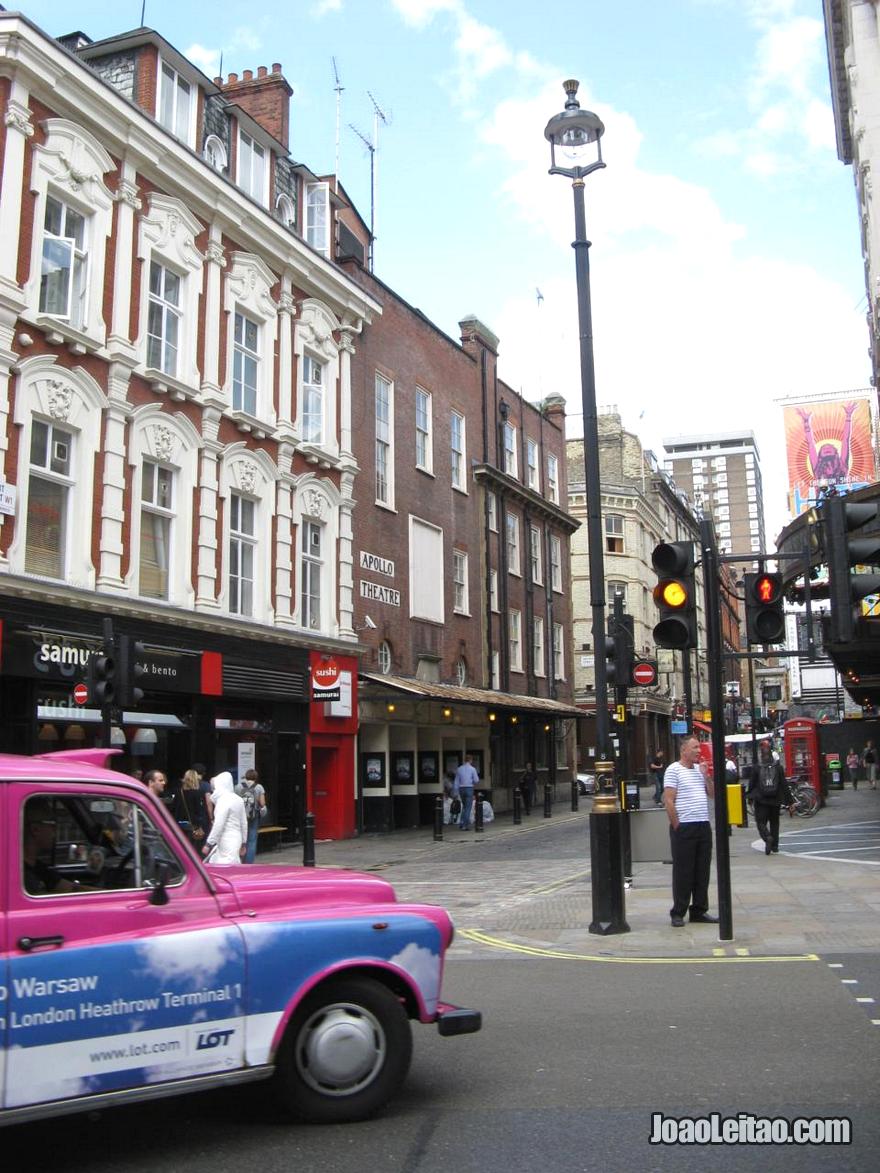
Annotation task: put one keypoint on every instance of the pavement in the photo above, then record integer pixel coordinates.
(527, 888)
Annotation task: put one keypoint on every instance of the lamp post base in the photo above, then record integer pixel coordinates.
(606, 874)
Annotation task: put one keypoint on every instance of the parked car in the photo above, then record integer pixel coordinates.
(129, 969)
(586, 783)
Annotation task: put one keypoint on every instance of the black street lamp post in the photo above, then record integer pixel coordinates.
(577, 134)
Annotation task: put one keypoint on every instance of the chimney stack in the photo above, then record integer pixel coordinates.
(265, 97)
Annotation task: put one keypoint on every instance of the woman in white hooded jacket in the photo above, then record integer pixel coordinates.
(229, 830)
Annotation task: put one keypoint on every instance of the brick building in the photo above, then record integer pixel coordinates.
(188, 378)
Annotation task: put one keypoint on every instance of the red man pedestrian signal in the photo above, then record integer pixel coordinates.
(765, 613)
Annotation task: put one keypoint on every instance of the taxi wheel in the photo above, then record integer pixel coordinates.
(345, 1053)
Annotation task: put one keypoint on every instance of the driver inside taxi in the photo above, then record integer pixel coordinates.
(39, 840)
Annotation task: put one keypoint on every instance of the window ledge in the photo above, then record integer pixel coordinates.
(245, 422)
(169, 385)
(315, 454)
(59, 333)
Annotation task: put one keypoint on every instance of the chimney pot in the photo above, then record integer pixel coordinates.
(261, 71)
(233, 78)
(276, 67)
(218, 81)
(247, 75)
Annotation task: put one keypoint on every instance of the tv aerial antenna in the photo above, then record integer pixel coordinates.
(380, 116)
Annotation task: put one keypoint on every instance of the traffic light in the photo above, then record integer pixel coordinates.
(129, 672)
(852, 538)
(101, 677)
(619, 655)
(765, 613)
(675, 595)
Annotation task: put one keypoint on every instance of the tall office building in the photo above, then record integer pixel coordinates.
(721, 473)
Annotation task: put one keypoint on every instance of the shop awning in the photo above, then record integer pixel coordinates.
(405, 686)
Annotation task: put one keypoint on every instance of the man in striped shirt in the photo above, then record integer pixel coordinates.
(687, 788)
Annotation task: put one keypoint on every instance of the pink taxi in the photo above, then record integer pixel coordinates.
(130, 970)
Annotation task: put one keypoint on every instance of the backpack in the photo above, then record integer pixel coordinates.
(251, 806)
(768, 781)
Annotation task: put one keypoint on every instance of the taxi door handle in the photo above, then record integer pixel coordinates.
(30, 943)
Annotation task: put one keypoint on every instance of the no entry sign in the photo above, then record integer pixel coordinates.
(80, 693)
(644, 673)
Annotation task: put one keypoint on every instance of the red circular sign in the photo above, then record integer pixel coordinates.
(326, 674)
(80, 694)
(644, 674)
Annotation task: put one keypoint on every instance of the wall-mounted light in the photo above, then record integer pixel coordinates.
(491, 716)
(514, 719)
(546, 728)
(447, 713)
(391, 707)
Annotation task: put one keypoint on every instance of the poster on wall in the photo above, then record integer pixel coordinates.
(373, 770)
(451, 762)
(477, 756)
(828, 446)
(247, 758)
(402, 768)
(428, 767)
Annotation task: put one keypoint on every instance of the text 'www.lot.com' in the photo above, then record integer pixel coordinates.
(745, 1128)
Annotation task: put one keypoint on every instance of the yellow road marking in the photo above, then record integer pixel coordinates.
(537, 951)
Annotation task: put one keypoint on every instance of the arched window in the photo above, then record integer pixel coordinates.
(383, 655)
(285, 210)
(215, 153)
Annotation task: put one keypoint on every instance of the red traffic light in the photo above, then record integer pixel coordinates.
(767, 588)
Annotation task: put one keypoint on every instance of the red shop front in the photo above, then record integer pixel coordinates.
(330, 761)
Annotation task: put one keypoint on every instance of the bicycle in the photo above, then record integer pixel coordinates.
(806, 800)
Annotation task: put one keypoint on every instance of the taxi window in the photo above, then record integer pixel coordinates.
(88, 843)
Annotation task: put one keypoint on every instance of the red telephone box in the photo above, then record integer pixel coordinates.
(802, 761)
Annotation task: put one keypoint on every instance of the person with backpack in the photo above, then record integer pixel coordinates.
(769, 790)
(869, 761)
(253, 796)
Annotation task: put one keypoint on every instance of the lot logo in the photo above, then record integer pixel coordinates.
(207, 1041)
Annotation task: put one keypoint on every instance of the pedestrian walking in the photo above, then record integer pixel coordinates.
(466, 778)
(687, 788)
(657, 767)
(528, 787)
(253, 796)
(869, 761)
(226, 842)
(190, 810)
(769, 790)
(852, 766)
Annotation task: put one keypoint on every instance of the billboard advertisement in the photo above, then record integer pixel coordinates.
(828, 443)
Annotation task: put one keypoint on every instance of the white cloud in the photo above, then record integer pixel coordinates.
(208, 60)
(324, 6)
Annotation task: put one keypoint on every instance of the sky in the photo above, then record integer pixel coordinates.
(726, 268)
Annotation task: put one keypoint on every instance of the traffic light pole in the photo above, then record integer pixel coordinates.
(107, 709)
(711, 568)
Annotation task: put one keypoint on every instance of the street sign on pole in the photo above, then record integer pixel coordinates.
(80, 693)
(644, 673)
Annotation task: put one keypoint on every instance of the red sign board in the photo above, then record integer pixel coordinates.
(80, 693)
(644, 673)
(326, 674)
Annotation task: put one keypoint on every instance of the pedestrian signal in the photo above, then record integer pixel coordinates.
(765, 608)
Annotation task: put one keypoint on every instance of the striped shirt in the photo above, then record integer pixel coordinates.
(691, 800)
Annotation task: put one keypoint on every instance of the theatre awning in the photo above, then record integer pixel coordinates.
(453, 694)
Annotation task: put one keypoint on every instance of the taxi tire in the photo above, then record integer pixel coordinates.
(367, 1021)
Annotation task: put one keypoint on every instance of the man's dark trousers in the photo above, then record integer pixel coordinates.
(767, 821)
(691, 864)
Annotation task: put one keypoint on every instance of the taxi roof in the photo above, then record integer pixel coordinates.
(65, 765)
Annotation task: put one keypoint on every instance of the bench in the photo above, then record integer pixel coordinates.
(270, 843)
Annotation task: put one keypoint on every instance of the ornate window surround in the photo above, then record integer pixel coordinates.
(318, 500)
(172, 441)
(71, 398)
(167, 233)
(71, 165)
(251, 473)
(314, 333)
(248, 288)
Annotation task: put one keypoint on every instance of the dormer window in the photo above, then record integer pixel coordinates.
(318, 216)
(251, 167)
(175, 103)
(215, 153)
(285, 210)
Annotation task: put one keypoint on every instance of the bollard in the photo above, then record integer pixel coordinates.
(309, 841)
(478, 813)
(517, 807)
(438, 819)
(548, 800)
(574, 794)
